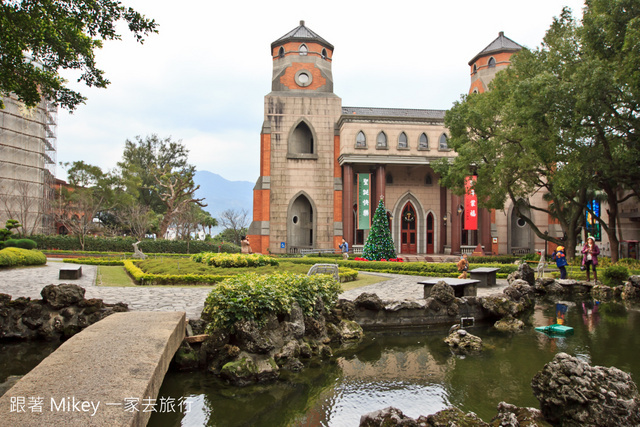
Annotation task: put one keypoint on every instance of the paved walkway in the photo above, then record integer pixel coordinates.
(29, 281)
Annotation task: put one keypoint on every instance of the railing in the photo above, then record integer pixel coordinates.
(468, 249)
(520, 251)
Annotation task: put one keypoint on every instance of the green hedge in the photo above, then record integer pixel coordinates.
(615, 275)
(493, 259)
(95, 261)
(11, 257)
(233, 260)
(435, 269)
(143, 278)
(20, 243)
(255, 297)
(125, 244)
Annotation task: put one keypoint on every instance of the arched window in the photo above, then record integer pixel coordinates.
(443, 142)
(303, 49)
(361, 140)
(324, 53)
(475, 68)
(492, 62)
(381, 140)
(423, 142)
(402, 141)
(475, 90)
(301, 140)
(281, 52)
(389, 178)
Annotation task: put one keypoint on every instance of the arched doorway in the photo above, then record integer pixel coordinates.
(430, 234)
(408, 230)
(300, 224)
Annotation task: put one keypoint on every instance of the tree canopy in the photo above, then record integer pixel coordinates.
(39, 38)
(561, 120)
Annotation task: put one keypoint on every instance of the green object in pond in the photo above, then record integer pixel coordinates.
(556, 329)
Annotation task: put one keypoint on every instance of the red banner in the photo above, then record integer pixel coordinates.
(470, 204)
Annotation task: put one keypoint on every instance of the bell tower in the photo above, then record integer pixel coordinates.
(298, 197)
(493, 58)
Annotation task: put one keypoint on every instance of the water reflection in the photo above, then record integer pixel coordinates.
(415, 372)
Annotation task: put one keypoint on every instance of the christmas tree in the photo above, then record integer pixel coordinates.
(379, 243)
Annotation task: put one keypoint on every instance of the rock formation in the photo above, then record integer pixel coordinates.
(62, 312)
(462, 342)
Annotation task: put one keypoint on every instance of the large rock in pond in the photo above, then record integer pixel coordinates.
(573, 393)
(509, 324)
(514, 416)
(462, 342)
(631, 289)
(502, 306)
(369, 301)
(63, 295)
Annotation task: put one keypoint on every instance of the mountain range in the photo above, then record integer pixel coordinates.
(221, 194)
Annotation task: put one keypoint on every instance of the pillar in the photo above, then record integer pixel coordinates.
(443, 224)
(485, 231)
(347, 203)
(381, 184)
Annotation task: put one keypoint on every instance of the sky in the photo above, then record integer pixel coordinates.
(202, 79)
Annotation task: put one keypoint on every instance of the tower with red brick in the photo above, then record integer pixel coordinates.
(493, 58)
(299, 184)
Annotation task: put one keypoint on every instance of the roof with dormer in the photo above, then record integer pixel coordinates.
(501, 44)
(301, 34)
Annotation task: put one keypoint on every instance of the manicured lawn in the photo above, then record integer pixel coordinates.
(113, 276)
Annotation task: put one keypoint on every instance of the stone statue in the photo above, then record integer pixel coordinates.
(540, 268)
(137, 253)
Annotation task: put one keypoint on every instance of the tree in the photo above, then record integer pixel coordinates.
(379, 244)
(561, 120)
(90, 192)
(27, 204)
(235, 221)
(136, 218)
(176, 190)
(41, 37)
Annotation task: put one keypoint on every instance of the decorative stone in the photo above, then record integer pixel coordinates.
(514, 416)
(369, 301)
(59, 296)
(462, 342)
(602, 293)
(572, 392)
(509, 325)
(443, 293)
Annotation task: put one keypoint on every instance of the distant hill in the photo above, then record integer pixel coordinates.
(221, 194)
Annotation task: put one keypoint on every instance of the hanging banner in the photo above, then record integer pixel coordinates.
(364, 201)
(470, 204)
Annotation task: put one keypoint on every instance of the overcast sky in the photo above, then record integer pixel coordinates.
(203, 78)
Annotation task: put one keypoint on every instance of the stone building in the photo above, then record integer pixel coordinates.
(27, 164)
(313, 151)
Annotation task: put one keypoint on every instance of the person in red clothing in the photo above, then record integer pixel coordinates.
(590, 253)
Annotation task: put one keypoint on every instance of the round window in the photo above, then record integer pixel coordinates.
(295, 219)
(303, 78)
(521, 222)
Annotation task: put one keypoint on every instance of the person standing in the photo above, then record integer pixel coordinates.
(463, 267)
(590, 253)
(345, 249)
(561, 261)
(245, 246)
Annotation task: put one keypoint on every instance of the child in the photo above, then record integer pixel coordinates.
(463, 266)
(561, 261)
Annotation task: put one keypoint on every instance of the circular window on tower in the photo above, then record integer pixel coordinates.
(521, 222)
(303, 78)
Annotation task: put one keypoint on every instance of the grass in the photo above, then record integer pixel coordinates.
(186, 266)
(114, 276)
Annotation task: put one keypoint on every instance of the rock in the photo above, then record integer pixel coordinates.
(387, 417)
(240, 372)
(293, 327)
(186, 357)
(252, 338)
(368, 301)
(347, 309)
(573, 393)
(64, 295)
(291, 350)
(514, 416)
(451, 417)
(403, 305)
(525, 273)
(502, 306)
(630, 292)
(602, 293)
(520, 292)
(635, 281)
(462, 342)
(509, 325)
(349, 331)
(443, 293)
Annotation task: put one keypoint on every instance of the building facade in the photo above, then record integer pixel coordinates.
(313, 151)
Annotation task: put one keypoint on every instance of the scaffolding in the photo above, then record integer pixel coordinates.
(28, 151)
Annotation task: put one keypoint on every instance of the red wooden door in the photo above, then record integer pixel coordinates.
(408, 231)
(430, 233)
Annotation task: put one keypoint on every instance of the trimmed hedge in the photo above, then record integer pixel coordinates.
(94, 261)
(125, 244)
(11, 257)
(143, 278)
(436, 269)
(233, 260)
(256, 297)
(615, 275)
(20, 243)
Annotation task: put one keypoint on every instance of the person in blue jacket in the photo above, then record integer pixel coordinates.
(561, 261)
(345, 249)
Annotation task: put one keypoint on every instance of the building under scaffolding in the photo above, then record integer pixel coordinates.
(27, 164)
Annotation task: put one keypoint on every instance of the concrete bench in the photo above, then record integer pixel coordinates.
(486, 276)
(461, 287)
(72, 273)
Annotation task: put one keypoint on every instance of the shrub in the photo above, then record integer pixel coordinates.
(234, 260)
(20, 243)
(255, 298)
(615, 275)
(95, 261)
(143, 278)
(494, 259)
(10, 257)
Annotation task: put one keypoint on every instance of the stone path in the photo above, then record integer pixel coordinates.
(29, 281)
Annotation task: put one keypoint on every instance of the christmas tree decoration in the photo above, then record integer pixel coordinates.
(379, 244)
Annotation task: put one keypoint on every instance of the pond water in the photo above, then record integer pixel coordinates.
(413, 371)
(19, 357)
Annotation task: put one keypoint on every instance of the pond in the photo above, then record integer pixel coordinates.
(413, 371)
(19, 357)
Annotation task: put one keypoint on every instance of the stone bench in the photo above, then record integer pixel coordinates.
(72, 273)
(486, 276)
(461, 287)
